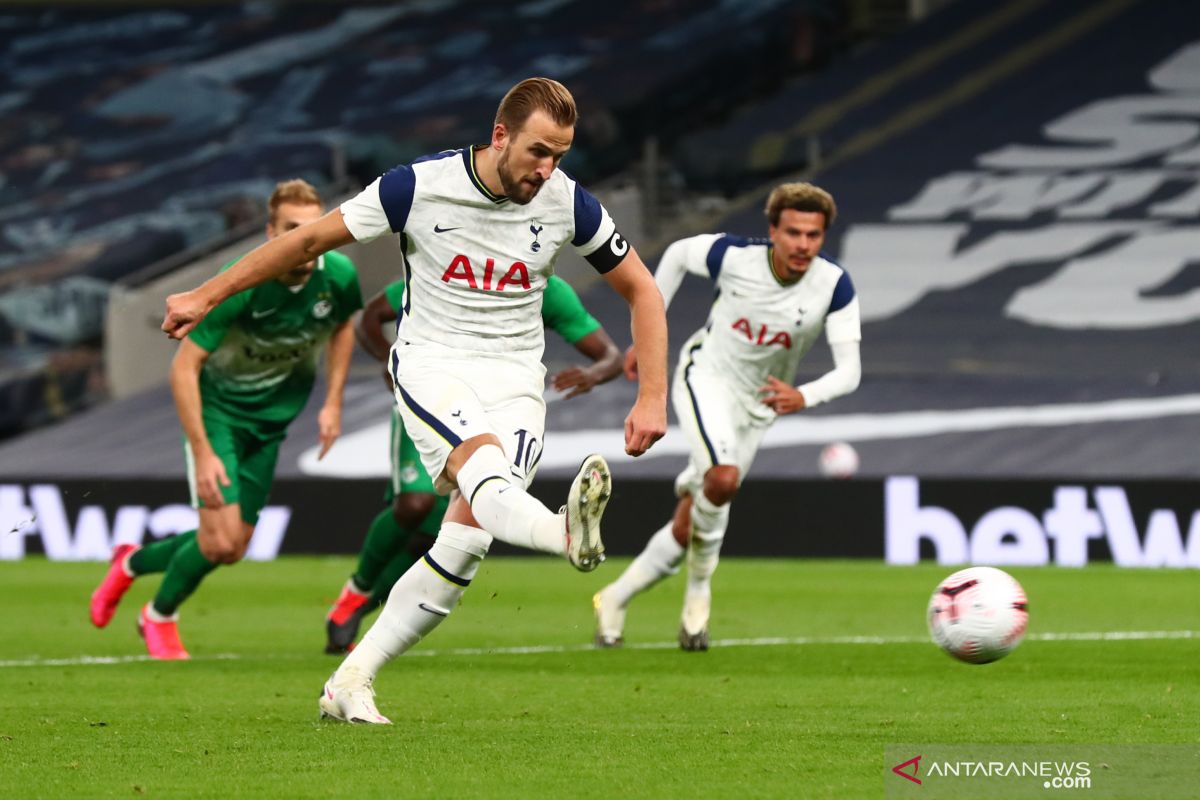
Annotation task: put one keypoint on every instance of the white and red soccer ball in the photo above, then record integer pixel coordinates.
(978, 615)
(838, 460)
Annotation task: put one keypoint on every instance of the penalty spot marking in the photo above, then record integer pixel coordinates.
(770, 641)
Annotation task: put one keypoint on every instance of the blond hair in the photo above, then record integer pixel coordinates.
(533, 94)
(297, 191)
(800, 197)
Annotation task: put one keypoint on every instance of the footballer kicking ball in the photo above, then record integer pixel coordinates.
(978, 615)
(838, 460)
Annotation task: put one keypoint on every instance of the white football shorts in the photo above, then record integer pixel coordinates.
(446, 397)
(719, 428)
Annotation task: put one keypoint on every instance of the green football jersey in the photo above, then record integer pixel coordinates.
(266, 343)
(562, 310)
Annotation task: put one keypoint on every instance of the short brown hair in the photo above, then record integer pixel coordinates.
(531, 95)
(297, 191)
(800, 197)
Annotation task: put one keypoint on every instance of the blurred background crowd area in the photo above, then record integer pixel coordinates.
(135, 137)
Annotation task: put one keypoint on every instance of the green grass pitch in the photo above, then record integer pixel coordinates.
(815, 668)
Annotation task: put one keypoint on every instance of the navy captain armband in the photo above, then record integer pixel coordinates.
(608, 255)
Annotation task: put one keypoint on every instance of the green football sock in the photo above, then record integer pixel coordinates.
(385, 540)
(187, 568)
(388, 577)
(156, 556)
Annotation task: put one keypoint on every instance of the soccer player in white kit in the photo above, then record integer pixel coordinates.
(774, 296)
(480, 229)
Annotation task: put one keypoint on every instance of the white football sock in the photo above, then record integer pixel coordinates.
(704, 550)
(660, 558)
(155, 616)
(423, 597)
(502, 506)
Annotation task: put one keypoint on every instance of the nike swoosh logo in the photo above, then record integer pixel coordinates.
(440, 229)
(261, 314)
(439, 612)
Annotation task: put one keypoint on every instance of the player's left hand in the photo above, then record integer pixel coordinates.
(579, 380)
(329, 426)
(184, 312)
(645, 425)
(783, 398)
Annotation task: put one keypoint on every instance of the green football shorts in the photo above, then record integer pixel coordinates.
(249, 454)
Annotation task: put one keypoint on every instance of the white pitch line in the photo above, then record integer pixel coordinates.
(769, 641)
(89, 661)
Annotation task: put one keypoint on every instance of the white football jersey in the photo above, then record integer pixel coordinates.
(475, 263)
(758, 325)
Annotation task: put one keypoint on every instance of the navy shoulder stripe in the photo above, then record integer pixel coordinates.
(588, 215)
(396, 189)
(843, 293)
(716, 253)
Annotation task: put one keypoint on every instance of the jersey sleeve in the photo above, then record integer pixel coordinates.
(563, 311)
(394, 292)
(382, 207)
(596, 236)
(212, 329)
(681, 257)
(844, 324)
(843, 379)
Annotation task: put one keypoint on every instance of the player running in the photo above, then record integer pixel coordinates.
(239, 379)
(734, 377)
(480, 230)
(404, 531)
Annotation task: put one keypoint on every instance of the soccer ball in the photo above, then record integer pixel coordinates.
(978, 614)
(838, 460)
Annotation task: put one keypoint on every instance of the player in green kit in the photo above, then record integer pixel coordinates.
(406, 529)
(239, 379)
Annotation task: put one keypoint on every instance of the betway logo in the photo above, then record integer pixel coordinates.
(92, 536)
(1008, 535)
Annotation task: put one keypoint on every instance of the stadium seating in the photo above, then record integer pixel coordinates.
(132, 134)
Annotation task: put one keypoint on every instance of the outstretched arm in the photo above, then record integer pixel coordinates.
(606, 365)
(681, 257)
(647, 421)
(841, 380)
(269, 260)
(208, 469)
(337, 366)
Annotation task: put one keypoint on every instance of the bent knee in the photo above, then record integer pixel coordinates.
(721, 484)
(220, 550)
(410, 509)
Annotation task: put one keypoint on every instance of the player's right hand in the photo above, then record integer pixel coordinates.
(184, 312)
(210, 477)
(644, 426)
(631, 368)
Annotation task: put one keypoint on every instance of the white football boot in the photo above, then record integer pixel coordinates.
(610, 620)
(693, 627)
(585, 505)
(350, 699)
